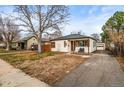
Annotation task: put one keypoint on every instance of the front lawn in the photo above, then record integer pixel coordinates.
(16, 57)
(52, 68)
(48, 67)
(2, 50)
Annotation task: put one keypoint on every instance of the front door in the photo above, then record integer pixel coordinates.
(22, 45)
(72, 46)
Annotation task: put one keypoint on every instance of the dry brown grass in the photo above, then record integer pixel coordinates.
(48, 67)
(21, 57)
(52, 68)
(121, 61)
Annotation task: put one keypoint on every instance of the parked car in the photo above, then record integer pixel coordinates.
(34, 47)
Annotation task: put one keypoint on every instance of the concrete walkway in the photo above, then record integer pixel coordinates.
(101, 70)
(11, 77)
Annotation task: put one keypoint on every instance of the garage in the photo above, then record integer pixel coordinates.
(100, 46)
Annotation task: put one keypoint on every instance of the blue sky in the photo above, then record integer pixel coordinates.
(85, 18)
(90, 18)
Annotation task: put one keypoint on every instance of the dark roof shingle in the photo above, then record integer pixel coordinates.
(28, 37)
(72, 36)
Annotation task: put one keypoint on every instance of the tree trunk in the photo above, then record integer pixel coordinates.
(39, 43)
(117, 49)
(120, 49)
(7, 46)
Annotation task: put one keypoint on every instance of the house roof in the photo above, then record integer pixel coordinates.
(26, 38)
(72, 36)
(29, 37)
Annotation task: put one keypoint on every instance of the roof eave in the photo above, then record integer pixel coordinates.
(72, 38)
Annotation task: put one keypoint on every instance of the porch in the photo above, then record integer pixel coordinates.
(79, 46)
(19, 45)
(23, 45)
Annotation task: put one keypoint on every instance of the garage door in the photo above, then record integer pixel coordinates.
(100, 47)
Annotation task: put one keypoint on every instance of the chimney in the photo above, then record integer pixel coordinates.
(79, 33)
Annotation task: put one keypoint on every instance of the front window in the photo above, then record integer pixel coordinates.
(65, 44)
(94, 44)
(84, 43)
(87, 43)
(77, 44)
(53, 44)
(81, 43)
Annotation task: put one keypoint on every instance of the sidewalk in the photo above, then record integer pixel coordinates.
(12, 77)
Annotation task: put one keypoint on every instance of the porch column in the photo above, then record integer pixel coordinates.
(69, 46)
(73, 45)
(88, 45)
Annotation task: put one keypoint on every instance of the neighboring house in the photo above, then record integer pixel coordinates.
(74, 43)
(2, 44)
(26, 43)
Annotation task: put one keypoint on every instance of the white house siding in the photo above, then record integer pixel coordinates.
(31, 41)
(92, 47)
(59, 46)
(86, 49)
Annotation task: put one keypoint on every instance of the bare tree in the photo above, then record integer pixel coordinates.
(53, 35)
(9, 31)
(1, 38)
(96, 36)
(39, 19)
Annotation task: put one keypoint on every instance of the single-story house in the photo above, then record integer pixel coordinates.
(27, 42)
(74, 43)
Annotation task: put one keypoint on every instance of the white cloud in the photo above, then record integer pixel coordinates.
(112, 8)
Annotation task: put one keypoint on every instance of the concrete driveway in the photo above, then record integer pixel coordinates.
(101, 70)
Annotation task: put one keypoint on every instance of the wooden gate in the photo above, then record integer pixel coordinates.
(46, 48)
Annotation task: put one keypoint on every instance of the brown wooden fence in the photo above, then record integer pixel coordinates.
(46, 48)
